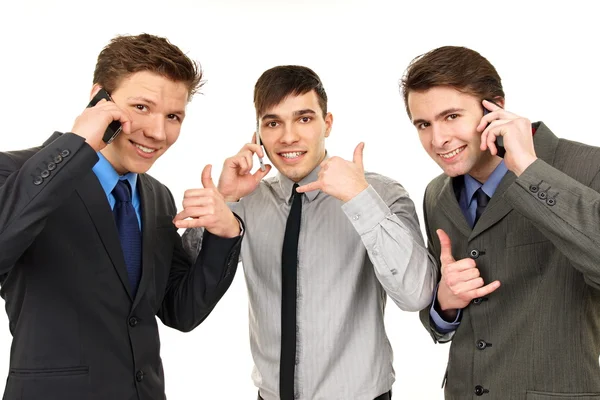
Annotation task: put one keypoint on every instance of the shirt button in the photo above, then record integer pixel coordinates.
(356, 217)
(375, 250)
(139, 376)
(474, 254)
(51, 166)
(58, 159)
(37, 180)
(45, 173)
(297, 360)
(133, 321)
(65, 153)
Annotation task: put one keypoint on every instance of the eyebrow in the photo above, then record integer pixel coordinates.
(439, 115)
(152, 103)
(295, 114)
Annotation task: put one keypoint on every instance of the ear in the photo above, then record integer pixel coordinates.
(328, 124)
(499, 100)
(95, 89)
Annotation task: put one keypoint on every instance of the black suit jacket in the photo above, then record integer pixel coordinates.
(77, 332)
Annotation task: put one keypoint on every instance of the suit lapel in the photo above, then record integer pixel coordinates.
(91, 193)
(496, 209)
(148, 211)
(449, 205)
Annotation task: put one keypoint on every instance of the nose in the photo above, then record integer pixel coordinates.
(439, 136)
(156, 128)
(289, 135)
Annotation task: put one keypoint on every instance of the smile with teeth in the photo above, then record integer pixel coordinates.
(146, 150)
(453, 152)
(292, 154)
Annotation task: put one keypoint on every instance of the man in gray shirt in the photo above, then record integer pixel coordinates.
(348, 239)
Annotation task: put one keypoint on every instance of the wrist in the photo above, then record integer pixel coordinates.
(523, 165)
(359, 188)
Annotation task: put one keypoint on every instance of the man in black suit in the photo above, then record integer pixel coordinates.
(89, 252)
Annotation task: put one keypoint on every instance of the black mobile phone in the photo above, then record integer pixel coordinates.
(114, 128)
(499, 139)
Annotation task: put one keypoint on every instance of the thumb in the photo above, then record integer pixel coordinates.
(358, 155)
(207, 181)
(259, 174)
(446, 247)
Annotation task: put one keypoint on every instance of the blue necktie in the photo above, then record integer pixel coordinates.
(129, 233)
(482, 201)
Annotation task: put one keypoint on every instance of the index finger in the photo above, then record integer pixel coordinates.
(309, 187)
(254, 148)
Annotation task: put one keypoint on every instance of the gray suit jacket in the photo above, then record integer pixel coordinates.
(538, 336)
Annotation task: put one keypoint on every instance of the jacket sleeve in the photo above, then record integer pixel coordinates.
(33, 184)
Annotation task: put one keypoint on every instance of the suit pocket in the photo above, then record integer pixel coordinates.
(72, 383)
(535, 395)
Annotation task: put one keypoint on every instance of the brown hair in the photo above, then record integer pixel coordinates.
(459, 67)
(275, 84)
(125, 55)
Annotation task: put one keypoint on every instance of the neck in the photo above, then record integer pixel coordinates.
(485, 167)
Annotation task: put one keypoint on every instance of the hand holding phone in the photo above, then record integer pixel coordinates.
(114, 128)
(499, 139)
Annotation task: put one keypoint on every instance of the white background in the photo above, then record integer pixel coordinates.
(545, 53)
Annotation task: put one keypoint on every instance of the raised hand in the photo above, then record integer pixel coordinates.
(206, 208)
(460, 282)
(340, 178)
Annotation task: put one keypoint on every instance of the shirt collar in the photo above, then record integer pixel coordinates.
(286, 184)
(490, 185)
(108, 177)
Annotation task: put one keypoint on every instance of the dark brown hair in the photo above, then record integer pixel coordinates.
(459, 67)
(275, 84)
(125, 55)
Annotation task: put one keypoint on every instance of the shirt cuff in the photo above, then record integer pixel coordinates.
(441, 325)
(366, 210)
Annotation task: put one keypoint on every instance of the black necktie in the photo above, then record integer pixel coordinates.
(482, 201)
(289, 263)
(129, 233)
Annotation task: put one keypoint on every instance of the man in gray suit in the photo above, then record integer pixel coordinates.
(517, 238)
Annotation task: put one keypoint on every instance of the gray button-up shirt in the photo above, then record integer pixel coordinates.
(349, 257)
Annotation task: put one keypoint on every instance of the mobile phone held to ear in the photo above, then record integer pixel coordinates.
(114, 128)
(257, 137)
(499, 139)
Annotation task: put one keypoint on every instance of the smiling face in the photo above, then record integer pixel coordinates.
(446, 120)
(293, 133)
(156, 108)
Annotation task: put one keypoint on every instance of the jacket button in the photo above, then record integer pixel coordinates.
(133, 321)
(533, 188)
(479, 390)
(139, 376)
(51, 166)
(45, 173)
(550, 201)
(37, 180)
(58, 159)
(65, 153)
(474, 254)
(482, 344)
(477, 301)
(542, 195)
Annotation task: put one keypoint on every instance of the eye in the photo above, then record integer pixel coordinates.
(423, 125)
(305, 120)
(141, 107)
(272, 124)
(173, 117)
(452, 116)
